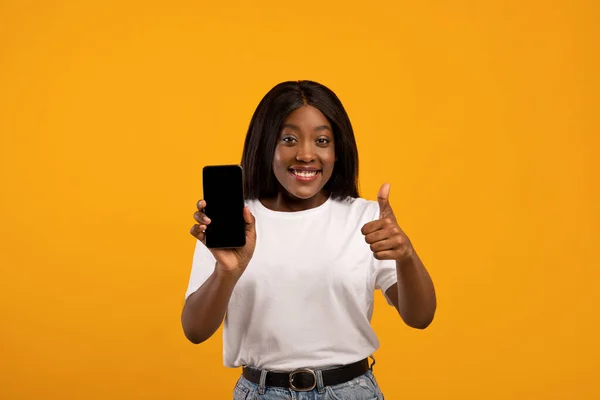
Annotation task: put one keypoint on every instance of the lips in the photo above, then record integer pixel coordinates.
(305, 174)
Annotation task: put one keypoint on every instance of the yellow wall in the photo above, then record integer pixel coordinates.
(480, 114)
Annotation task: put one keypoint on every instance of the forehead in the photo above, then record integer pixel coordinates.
(306, 117)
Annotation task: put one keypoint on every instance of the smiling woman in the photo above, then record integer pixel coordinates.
(303, 124)
(286, 305)
(304, 158)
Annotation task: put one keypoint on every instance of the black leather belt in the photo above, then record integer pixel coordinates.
(305, 379)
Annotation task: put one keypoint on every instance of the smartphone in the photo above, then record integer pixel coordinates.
(223, 187)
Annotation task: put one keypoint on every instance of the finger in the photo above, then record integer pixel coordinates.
(385, 209)
(372, 226)
(250, 221)
(201, 205)
(377, 236)
(197, 231)
(394, 244)
(201, 218)
(378, 224)
(385, 255)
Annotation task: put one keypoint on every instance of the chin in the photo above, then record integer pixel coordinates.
(302, 193)
(302, 190)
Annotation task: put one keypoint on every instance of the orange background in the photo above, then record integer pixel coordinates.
(480, 114)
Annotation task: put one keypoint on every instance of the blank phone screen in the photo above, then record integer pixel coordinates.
(224, 196)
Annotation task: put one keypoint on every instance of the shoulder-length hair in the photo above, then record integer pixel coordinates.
(266, 124)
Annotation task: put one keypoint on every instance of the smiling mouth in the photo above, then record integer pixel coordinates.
(304, 173)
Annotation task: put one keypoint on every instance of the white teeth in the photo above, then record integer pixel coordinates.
(305, 174)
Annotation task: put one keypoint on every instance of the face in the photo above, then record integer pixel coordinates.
(304, 155)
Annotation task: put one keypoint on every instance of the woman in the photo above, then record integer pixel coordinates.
(298, 297)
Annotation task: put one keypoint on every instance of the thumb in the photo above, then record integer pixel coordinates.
(385, 209)
(250, 222)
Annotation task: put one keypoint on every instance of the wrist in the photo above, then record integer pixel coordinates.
(227, 275)
(407, 261)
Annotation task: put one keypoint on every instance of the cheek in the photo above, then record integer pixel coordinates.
(278, 158)
(328, 158)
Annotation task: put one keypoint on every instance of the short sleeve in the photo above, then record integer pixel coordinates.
(385, 276)
(203, 265)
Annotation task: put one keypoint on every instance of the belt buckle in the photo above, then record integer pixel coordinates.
(303, 370)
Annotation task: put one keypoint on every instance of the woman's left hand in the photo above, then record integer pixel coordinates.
(387, 240)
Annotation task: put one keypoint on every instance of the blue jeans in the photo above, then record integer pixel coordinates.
(364, 387)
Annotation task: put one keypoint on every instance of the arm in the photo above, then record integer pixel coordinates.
(205, 309)
(414, 294)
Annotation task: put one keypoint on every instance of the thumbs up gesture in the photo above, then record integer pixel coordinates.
(387, 240)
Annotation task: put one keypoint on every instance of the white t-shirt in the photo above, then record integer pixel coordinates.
(306, 297)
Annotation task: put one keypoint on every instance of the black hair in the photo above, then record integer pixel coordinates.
(266, 124)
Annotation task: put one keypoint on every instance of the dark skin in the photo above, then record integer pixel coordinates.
(414, 294)
(306, 142)
(303, 163)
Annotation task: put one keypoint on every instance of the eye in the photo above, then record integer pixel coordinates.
(323, 141)
(288, 139)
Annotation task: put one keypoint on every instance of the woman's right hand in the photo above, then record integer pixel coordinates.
(229, 260)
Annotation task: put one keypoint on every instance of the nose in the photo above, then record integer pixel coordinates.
(305, 152)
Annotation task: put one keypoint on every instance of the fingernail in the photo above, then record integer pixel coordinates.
(205, 219)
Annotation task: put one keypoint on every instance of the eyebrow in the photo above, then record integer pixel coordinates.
(317, 129)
